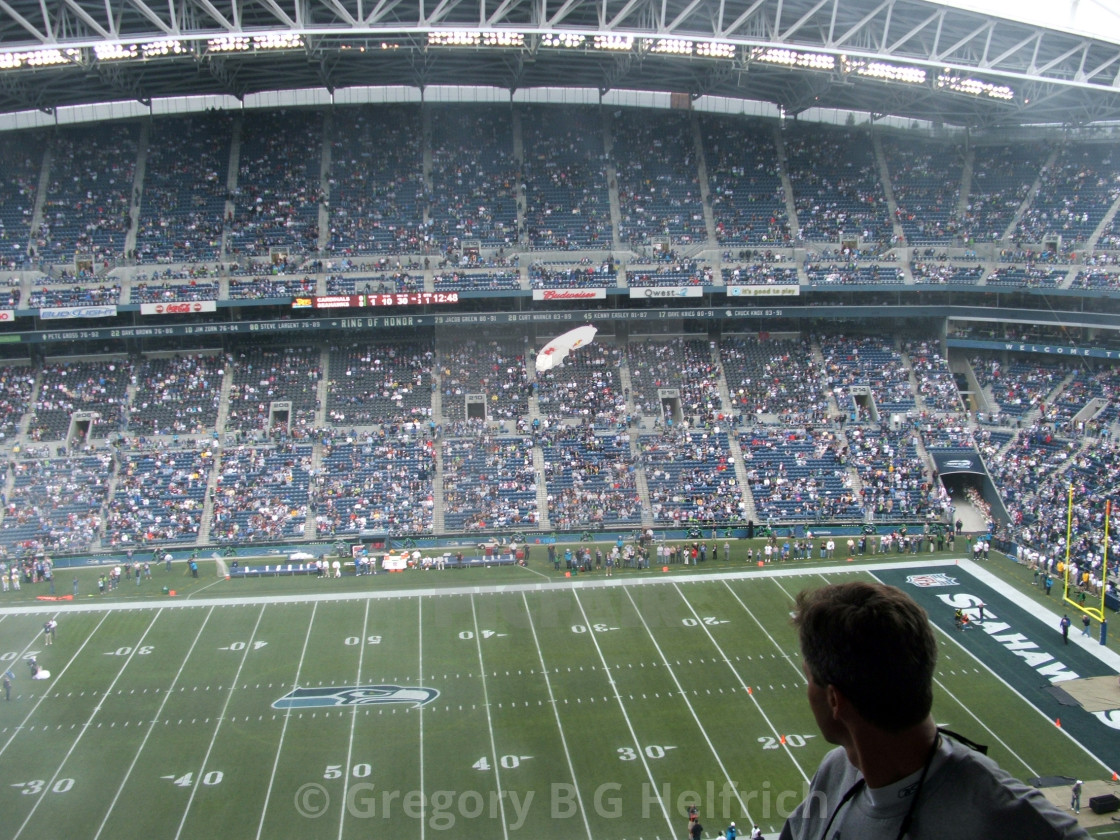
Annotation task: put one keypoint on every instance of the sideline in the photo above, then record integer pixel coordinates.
(1037, 611)
(568, 584)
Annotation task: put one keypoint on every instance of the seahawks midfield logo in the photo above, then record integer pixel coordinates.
(932, 579)
(354, 695)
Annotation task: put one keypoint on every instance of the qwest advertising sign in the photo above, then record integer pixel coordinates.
(178, 307)
(663, 292)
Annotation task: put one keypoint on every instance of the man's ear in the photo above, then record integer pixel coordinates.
(836, 701)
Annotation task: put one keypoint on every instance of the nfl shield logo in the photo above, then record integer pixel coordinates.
(932, 579)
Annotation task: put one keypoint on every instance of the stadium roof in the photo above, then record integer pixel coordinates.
(907, 58)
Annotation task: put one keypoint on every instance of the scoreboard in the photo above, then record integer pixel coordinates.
(373, 300)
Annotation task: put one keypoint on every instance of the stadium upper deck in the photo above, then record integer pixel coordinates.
(228, 208)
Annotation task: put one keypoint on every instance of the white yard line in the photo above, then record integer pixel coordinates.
(204, 588)
(85, 727)
(691, 710)
(742, 682)
(556, 714)
(152, 724)
(284, 725)
(353, 725)
(218, 726)
(31, 649)
(762, 627)
(785, 591)
(989, 729)
(625, 715)
(420, 711)
(536, 572)
(489, 722)
(47, 688)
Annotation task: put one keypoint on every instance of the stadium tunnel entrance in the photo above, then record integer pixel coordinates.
(965, 478)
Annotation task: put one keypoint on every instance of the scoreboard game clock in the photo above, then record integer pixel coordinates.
(387, 299)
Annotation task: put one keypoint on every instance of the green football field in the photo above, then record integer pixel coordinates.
(533, 708)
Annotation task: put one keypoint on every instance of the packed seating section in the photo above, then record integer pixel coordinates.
(186, 184)
(567, 204)
(489, 482)
(381, 203)
(145, 472)
(474, 176)
(90, 193)
(279, 185)
(377, 193)
(658, 180)
(744, 175)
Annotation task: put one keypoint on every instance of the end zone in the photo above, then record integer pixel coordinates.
(1019, 642)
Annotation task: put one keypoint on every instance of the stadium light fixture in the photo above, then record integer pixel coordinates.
(278, 41)
(38, 58)
(245, 43)
(668, 46)
(617, 43)
(454, 38)
(793, 58)
(715, 49)
(973, 87)
(166, 46)
(228, 43)
(503, 38)
(883, 70)
(116, 52)
(563, 40)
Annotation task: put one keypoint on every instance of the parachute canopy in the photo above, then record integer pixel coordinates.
(557, 350)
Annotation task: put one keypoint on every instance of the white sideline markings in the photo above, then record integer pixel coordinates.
(81, 732)
(489, 721)
(353, 724)
(567, 585)
(152, 725)
(284, 725)
(221, 719)
(622, 707)
(556, 714)
(691, 709)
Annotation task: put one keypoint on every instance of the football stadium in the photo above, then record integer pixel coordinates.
(444, 405)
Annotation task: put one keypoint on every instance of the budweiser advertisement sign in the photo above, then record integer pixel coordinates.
(178, 307)
(569, 294)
